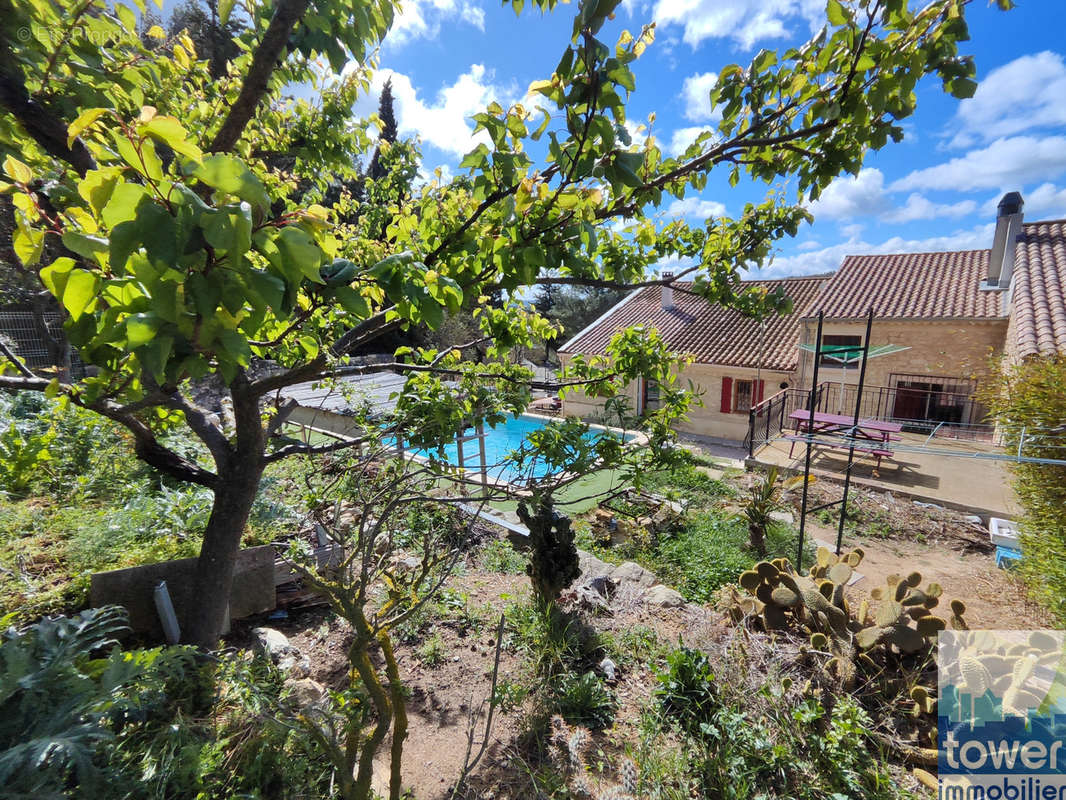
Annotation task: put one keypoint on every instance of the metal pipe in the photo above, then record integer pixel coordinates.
(810, 434)
(855, 425)
(167, 618)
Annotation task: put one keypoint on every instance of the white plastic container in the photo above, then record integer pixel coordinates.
(1003, 533)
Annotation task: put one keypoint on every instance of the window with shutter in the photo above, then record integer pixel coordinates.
(727, 395)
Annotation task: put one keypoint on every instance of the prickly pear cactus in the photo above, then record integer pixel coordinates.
(902, 622)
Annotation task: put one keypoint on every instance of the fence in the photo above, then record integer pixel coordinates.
(23, 331)
(954, 415)
(770, 418)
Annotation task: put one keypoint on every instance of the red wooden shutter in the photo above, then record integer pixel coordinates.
(760, 388)
(727, 395)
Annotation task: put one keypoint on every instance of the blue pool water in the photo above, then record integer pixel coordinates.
(500, 441)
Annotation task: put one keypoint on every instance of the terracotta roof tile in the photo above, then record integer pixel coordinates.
(711, 333)
(910, 285)
(1038, 302)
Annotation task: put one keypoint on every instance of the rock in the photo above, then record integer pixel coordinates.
(275, 645)
(591, 567)
(784, 517)
(609, 670)
(664, 596)
(713, 473)
(306, 694)
(601, 585)
(633, 573)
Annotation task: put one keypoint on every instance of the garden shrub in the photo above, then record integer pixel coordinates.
(584, 700)
(1029, 399)
(686, 690)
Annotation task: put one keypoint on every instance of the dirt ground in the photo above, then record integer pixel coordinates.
(945, 546)
(449, 699)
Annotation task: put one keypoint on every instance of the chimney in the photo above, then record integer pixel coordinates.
(667, 292)
(1008, 228)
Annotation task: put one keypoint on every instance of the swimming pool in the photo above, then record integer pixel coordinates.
(502, 440)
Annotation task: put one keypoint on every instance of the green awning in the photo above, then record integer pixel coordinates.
(852, 354)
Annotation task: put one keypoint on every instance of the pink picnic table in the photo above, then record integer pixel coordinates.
(876, 433)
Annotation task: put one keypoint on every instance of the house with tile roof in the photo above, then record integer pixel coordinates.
(737, 360)
(951, 310)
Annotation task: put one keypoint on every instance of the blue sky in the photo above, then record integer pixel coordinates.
(936, 190)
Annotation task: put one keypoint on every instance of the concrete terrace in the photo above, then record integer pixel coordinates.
(979, 486)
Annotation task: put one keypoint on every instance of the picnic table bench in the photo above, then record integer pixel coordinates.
(874, 435)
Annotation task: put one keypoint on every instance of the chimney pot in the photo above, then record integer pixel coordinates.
(1008, 228)
(667, 292)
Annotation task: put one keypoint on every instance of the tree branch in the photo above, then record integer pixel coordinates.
(266, 59)
(43, 124)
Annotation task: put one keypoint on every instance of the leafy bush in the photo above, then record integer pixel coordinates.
(762, 746)
(686, 690)
(1028, 401)
(499, 556)
(63, 702)
(584, 700)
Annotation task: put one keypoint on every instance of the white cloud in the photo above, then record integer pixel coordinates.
(1006, 162)
(682, 138)
(444, 121)
(865, 195)
(852, 196)
(828, 259)
(696, 208)
(696, 95)
(1046, 201)
(744, 21)
(1022, 95)
(421, 19)
(920, 207)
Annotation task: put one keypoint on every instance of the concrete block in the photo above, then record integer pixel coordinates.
(133, 587)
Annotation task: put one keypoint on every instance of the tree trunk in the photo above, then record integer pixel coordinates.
(757, 538)
(239, 472)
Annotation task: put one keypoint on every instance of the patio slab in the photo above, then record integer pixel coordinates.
(979, 486)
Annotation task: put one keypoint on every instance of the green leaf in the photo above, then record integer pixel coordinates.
(230, 229)
(171, 132)
(79, 294)
(122, 206)
(299, 250)
(83, 121)
(352, 301)
(154, 356)
(17, 171)
(125, 239)
(140, 329)
(84, 245)
(54, 276)
(28, 243)
(270, 287)
(230, 175)
(834, 11)
(97, 186)
(225, 7)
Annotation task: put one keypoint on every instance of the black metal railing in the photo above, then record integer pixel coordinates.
(918, 410)
(953, 415)
(770, 418)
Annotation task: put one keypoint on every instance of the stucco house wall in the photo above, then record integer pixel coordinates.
(710, 382)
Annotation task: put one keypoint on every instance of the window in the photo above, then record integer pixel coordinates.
(839, 345)
(742, 391)
(739, 394)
